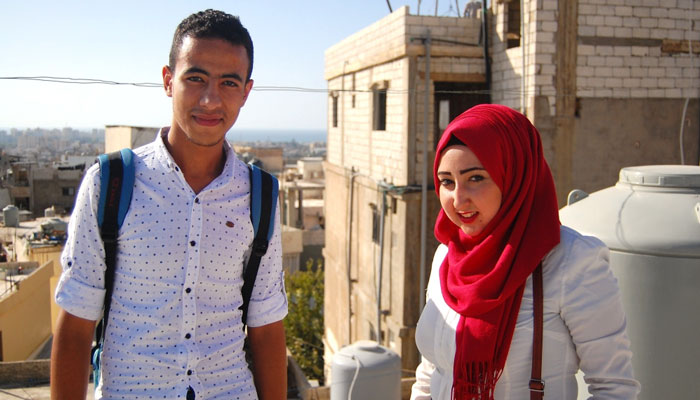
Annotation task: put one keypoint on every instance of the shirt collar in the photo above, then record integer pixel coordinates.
(166, 159)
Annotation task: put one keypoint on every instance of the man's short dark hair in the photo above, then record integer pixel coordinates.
(212, 24)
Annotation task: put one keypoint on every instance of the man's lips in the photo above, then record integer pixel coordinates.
(207, 120)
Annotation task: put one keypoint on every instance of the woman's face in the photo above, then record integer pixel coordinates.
(468, 195)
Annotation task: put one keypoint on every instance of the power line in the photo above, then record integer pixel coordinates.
(90, 81)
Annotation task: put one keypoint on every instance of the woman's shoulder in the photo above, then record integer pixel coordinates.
(574, 249)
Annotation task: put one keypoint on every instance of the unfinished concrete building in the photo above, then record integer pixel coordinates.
(606, 85)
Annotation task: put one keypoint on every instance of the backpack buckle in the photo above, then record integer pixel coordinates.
(259, 248)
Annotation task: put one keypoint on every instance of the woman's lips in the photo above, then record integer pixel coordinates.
(468, 217)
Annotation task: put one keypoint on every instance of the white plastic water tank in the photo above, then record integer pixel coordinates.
(650, 220)
(365, 370)
(11, 215)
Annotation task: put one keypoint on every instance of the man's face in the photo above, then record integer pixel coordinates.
(208, 88)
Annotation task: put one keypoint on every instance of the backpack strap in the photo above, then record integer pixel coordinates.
(263, 201)
(117, 170)
(117, 177)
(536, 382)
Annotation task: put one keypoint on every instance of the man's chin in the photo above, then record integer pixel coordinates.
(202, 143)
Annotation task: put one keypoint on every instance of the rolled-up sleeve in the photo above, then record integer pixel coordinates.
(80, 290)
(592, 310)
(421, 388)
(268, 302)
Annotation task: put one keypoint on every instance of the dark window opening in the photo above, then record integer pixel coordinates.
(335, 111)
(513, 24)
(379, 102)
(375, 223)
(68, 191)
(454, 98)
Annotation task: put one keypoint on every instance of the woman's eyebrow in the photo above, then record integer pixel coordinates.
(464, 171)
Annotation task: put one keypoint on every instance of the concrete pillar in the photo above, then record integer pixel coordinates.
(564, 120)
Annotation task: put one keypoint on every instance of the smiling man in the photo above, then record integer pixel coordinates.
(175, 329)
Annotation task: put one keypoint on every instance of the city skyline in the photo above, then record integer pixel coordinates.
(129, 43)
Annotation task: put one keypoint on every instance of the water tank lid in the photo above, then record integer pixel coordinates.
(678, 176)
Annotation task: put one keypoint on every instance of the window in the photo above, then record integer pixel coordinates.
(68, 191)
(379, 106)
(335, 111)
(513, 23)
(375, 223)
(353, 90)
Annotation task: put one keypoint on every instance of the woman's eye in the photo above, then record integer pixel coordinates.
(476, 178)
(446, 182)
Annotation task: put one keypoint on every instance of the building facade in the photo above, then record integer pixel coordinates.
(606, 85)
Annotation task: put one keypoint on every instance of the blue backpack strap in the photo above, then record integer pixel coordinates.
(263, 203)
(117, 175)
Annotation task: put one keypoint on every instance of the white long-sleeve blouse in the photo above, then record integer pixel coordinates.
(584, 327)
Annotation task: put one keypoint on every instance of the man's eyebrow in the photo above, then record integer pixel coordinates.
(233, 75)
(197, 70)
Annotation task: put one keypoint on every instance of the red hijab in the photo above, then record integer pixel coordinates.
(483, 277)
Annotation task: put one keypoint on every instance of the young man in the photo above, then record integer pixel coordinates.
(174, 328)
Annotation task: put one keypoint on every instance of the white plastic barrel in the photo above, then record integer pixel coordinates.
(11, 215)
(650, 220)
(365, 370)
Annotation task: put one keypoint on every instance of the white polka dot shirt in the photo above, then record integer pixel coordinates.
(174, 317)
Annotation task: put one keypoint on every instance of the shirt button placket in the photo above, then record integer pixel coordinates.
(189, 301)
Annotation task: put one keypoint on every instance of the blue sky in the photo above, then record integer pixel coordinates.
(129, 41)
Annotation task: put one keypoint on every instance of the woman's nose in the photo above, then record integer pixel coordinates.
(461, 197)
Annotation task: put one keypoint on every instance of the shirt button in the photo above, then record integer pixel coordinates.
(188, 290)
(177, 169)
(188, 336)
(189, 372)
(196, 200)
(192, 243)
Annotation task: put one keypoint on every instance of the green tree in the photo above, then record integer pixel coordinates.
(304, 323)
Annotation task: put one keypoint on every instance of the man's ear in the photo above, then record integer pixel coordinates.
(247, 88)
(168, 81)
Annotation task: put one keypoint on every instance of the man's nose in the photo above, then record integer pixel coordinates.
(211, 98)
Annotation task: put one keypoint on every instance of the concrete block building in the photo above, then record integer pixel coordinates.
(607, 84)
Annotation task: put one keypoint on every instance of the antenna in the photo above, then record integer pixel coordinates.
(389, 5)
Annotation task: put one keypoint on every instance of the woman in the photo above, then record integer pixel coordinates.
(499, 221)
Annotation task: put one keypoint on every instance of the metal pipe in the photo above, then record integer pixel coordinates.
(485, 37)
(348, 250)
(522, 49)
(424, 183)
(380, 266)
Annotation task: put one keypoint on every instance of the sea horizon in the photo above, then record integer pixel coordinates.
(276, 135)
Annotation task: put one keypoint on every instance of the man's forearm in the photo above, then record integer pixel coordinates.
(70, 357)
(269, 360)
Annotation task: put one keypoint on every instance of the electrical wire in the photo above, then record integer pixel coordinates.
(354, 378)
(507, 93)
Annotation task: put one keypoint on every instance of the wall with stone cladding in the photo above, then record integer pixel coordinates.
(353, 143)
(620, 49)
(507, 64)
(381, 55)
